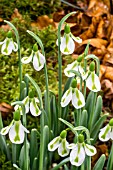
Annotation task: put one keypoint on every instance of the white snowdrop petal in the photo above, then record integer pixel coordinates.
(54, 144)
(26, 60)
(68, 73)
(90, 150)
(62, 149)
(93, 86)
(67, 48)
(71, 146)
(102, 136)
(15, 46)
(6, 129)
(16, 133)
(78, 100)
(77, 39)
(6, 49)
(77, 155)
(34, 109)
(72, 66)
(66, 98)
(38, 61)
(25, 130)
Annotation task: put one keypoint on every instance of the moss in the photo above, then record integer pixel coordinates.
(32, 8)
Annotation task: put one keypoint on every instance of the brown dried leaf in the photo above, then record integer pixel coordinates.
(107, 87)
(5, 109)
(43, 21)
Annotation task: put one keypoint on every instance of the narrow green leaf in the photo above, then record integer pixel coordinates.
(84, 118)
(96, 128)
(110, 159)
(98, 110)
(61, 164)
(89, 102)
(100, 163)
(35, 164)
(33, 146)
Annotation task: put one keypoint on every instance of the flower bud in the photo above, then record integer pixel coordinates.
(9, 34)
(92, 66)
(63, 134)
(31, 94)
(80, 57)
(35, 47)
(80, 138)
(74, 83)
(111, 122)
(16, 115)
(67, 29)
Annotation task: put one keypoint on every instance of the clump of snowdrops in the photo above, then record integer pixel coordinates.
(35, 150)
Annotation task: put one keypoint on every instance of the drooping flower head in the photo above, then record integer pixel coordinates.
(36, 57)
(74, 95)
(93, 82)
(60, 143)
(106, 133)
(77, 66)
(8, 45)
(31, 104)
(16, 130)
(80, 150)
(67, 45)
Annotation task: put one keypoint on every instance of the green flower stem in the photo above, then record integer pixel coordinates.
(92, 113)
(88, 164)
(19, 53)
(45, 72)
(60, 64)
(14, 153)
(26, 165)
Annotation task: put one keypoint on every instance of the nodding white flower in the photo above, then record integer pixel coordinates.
(67, 45)
(61, 144)
(8, 45)
(80, 150)
(74, 95)
(31, 104)
(93, 82)
(16, 132)
(106, 133)
(76, 66)
(36, 57)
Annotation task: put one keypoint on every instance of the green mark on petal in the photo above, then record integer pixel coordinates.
(94, 87)
(17, 137)
(66, 50)
(79, 103)
(77, 94)
(76, 159)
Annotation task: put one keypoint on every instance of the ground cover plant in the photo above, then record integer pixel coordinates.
(34, 149)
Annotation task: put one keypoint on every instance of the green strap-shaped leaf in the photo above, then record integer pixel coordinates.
(110, 159)
(100, 163)
(61, 163)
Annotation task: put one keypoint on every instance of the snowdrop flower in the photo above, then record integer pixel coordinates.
(16, 130)
(93, 82)
(74, 95)
(8, 45)
(18, 107)
(80, 150)
(37, 58)
(60, 143)
(106, 133)
(31, 104)
(67, 45)
(76, 66)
